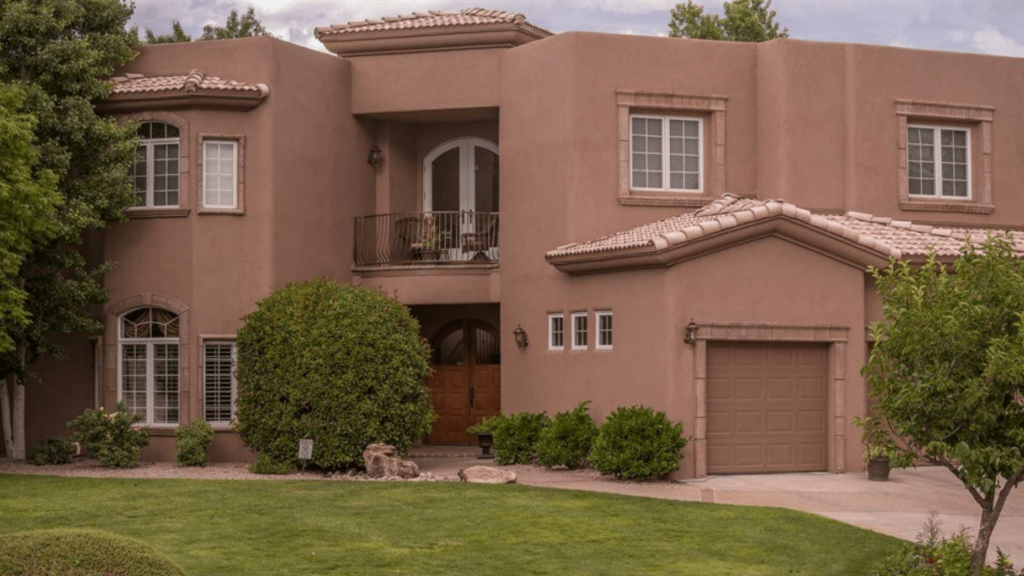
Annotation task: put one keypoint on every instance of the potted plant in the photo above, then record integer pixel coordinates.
(429, 248)
(484, 432)
(881, 452)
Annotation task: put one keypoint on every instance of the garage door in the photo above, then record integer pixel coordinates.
(766, 408)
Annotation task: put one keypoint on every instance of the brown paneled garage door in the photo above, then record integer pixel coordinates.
(766, 408)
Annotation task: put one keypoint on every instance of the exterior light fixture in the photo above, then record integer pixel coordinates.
(521, 339)
(374, 158)
(690, 336)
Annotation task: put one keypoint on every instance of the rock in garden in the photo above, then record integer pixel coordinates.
(382, 461)
(487, 475)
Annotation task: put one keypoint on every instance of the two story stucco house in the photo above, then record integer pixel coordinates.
(681, 224)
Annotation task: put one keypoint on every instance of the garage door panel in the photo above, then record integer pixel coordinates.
(766, 408)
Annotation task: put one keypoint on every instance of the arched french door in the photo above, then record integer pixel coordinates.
(465, 386)
(461, 175)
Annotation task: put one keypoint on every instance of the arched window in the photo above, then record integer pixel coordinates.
(155, 172)
(148, 365)
(461, 175)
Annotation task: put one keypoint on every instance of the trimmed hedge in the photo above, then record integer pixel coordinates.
(192, 442)
(265, 465)
(341, 365)
(68, 552)
(567, 440)
(637, 443)
(516, 436)
(51, 450)
(110, 438)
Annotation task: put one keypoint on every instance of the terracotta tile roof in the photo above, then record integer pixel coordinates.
(194, 80)
(431, 19)
(889, 237)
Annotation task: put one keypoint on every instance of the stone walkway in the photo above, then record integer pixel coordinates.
(898, 507)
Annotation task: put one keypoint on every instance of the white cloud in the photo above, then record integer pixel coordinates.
(958, 36)
(991, 41)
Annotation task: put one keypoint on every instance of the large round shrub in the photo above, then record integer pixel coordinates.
(515, 437)
(341, 365)
(637, 443)
(80, 553)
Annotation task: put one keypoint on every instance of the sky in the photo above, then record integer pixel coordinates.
(983, 26)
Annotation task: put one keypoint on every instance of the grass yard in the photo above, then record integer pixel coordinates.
(308, 527)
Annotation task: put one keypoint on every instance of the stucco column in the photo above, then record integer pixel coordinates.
(700, 395)
(839, 406)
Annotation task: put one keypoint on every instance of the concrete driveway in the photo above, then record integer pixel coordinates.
(898, 507)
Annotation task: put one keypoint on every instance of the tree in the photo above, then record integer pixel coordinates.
(177, 35)
(59, 53)
(235, 27)
(744, 21)
(948, 369)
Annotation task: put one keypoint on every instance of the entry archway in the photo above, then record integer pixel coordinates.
(465, 386)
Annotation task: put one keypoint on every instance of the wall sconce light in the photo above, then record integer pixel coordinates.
(374, 158)
(522, 341)
(690, 336)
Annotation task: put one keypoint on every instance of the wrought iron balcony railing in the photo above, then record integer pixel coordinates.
(413, 238)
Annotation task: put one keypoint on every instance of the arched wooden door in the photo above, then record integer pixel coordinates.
(465, 386)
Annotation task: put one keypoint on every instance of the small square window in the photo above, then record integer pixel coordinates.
(604, 329)
(556, 332)
(579, 331)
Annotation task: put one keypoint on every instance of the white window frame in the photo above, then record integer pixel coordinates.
(150, 376)
(585, 331)
(665, 179)
(937, 160)
(149, 144)
(551, 332)
(222, 424)
(234, 175)
(597, 330)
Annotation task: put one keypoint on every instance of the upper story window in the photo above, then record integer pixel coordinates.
(938, 161)
(148, 366)
(155, 172)
(665, 153)
(220, 174)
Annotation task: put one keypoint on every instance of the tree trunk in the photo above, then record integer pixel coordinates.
(5, 417)
(18, 422)
(988, 525)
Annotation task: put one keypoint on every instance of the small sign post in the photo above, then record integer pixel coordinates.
(305, 452)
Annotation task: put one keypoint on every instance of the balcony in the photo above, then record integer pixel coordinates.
(427, 240)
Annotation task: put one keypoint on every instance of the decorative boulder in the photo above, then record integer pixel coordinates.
(382, 461)
(487, 475)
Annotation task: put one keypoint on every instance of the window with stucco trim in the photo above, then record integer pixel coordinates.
(220, 174)
(666, 153)
(579, 331)
(156, 170)
(939, 161)
(603, 319)
(556, 331)
(148, 365)
(220, 388)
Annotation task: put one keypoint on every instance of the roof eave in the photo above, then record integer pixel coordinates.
(500, 35)
(176, 99)
(839, 248)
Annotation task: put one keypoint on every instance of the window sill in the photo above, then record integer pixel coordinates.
(969, 207)
(170, 212)
(221, 211)
(684, 199)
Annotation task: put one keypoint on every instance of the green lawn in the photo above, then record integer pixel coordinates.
(301, 527)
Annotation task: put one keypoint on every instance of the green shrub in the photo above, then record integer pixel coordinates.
(63, 552)
(341, 365)
(568, 439)
(51, 451)
(110, 438)
(637, 443)
(264, 464)
(515, 437)
(933, 555)
(192, 442)
(485, 426)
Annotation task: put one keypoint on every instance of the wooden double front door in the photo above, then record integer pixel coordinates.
(465, 386)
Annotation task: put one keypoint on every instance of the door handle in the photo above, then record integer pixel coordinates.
(472, 396)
